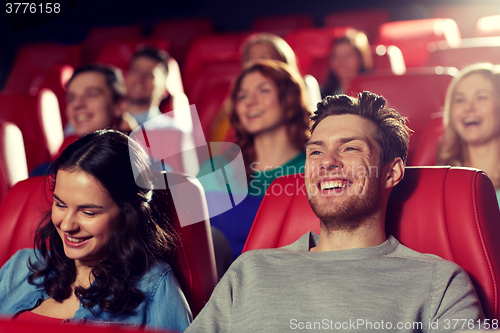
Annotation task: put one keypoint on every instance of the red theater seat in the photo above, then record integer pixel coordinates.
(283, 24)
(426, 152)
(20, 326)
(27, 202)
(470, 51)
(312, 46)
(221, 49)
(413, 36)
(366, 20)
(98, 37)
(466, 15)
(33, 61)
(416, 95)
(13, 166)
(180, 33)
(449, 212)
(39, 120)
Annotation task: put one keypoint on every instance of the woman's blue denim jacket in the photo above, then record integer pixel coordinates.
(164, 305)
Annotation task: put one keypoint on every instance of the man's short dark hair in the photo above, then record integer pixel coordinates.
(158, 55)
(113, 75)
(393, 134)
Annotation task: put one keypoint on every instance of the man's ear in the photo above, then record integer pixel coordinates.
(394, 172)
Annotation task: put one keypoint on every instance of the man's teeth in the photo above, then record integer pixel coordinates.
(332, 184)
(75, 240)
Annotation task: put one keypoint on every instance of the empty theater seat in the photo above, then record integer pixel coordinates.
(98, 37)
(35, 60)
(413, 36)
(470, 51)
(312, 46)
(366, 20)
(29, 200)
(219, 49)
(180, 33)
(281, 25)
(447, 211)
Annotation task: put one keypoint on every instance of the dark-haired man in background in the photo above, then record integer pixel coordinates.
(146, 83)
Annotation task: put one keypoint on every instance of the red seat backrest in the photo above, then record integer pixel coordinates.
(366, 20)
(413, 36)
(98, 37)
(471, 51)
(312, 47)
(416, 95)
(29, 200)
(283, 24)
(13, 166)
(218, 48)
(466, 15)
(26, 112)
(34, 60)
(20, 326)
(180, 33)
(426, 151)
(447, 211)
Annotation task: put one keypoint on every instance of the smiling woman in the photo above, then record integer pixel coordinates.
(472, 121)
(270, 118)
(102, 251)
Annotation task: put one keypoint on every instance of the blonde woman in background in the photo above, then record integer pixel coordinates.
(472, 121)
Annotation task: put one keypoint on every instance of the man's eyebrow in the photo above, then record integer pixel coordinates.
(317, 143)
(353, 138)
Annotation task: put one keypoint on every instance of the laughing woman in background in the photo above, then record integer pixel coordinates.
(472, 121)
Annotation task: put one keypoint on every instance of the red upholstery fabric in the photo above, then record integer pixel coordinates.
(98, 37)
(35, 60)
(465, 14)
(471, 51)
(13, 158)
(25, 111)
(426, 151)
(448, 211)
(180, 34)
(20, 326)
(283, 24)
(312, 46)
(413, 36)
(28, 201)
(416, 95)
(364, 20)
(221, 49)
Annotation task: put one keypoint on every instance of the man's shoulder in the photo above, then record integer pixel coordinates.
(404, 252)
(300, 245)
